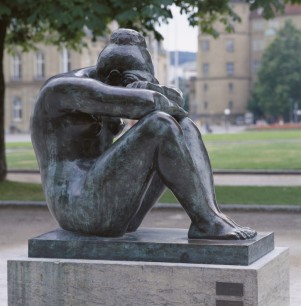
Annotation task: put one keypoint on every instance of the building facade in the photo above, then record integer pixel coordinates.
(228, 65)
(25, 73)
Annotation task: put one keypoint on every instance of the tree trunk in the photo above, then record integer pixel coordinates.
(3, 167)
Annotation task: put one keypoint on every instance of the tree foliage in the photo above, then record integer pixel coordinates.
(24, 23)
(279, 78)
(64, 21)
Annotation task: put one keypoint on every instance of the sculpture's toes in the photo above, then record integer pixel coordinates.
(245, 233)
(251, 233)
(227, 233)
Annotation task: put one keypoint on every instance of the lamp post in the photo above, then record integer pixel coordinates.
(298, 113)
(295, 110)
(227, 113)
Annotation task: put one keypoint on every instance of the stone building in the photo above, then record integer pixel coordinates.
(227, 66)
(25, 73)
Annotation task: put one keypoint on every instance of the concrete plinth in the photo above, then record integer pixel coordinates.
(97, 282)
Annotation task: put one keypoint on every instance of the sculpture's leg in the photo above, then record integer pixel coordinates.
(153, 193)
(200, 156)
(201, 160)
(179, 172)
(205, 194)
(124, 172)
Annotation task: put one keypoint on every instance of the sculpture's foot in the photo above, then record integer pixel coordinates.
(220, 230)
(233, 223)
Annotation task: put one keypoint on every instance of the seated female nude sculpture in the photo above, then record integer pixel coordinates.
(96, 186)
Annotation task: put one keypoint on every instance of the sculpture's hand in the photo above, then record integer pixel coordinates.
(170, 93)
(173, 94)
(169, 107)
(162, 102)
(146, 85)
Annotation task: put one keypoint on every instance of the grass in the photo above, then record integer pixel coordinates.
(250, 195)
(19, 145)
(276, 150)
(15, 191)
(20, 155)
(247, 150)
(225, 194)
(255, 136)
(255, 150)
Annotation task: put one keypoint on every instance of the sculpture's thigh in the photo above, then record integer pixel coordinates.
(112, 190)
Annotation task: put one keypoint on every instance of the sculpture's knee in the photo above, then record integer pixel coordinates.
(162, 124)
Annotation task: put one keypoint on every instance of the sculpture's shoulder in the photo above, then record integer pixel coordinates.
(63, 79)
(88, 72)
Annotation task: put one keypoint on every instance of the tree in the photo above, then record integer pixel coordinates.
(278, 85)
(24, 23)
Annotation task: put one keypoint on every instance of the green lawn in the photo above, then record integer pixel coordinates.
(20, 155)
(225, 194)
(250, 195)
(255, 150)
(15, 191)
(247, 150)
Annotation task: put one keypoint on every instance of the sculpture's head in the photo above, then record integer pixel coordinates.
(125, 60)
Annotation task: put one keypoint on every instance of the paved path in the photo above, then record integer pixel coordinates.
(18, 225)
(17, 137)
(257, 180)
(219, 179)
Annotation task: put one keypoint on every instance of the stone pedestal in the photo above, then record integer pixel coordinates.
(149, 267)
(151, 244)
(64, 282)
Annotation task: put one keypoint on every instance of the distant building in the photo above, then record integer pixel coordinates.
(25, 73)
(227, 66)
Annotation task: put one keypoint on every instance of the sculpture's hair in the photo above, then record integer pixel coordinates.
(127, 37)
(127, 48)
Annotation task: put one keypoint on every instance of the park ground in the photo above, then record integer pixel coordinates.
(268, 150)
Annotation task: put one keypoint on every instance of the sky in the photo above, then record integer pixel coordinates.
(178, 35)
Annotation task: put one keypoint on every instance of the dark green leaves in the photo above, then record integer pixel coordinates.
(62, 21)
(278, 86)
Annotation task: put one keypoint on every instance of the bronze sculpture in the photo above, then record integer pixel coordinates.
(95, 186)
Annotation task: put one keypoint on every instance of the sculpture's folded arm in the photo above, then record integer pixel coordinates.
(91, 96)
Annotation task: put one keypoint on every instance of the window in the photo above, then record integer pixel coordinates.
(258, 25)
(230, 105)
(40, 65)
(17, 109)
(65, 61)
(206, 105)
(230, 68)
(257, 45)
(230, 45)
(272, 27)
(205, 45)
(205, 69)
(205, 87)
(16, 67)
(230, 87)
(273, 24)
